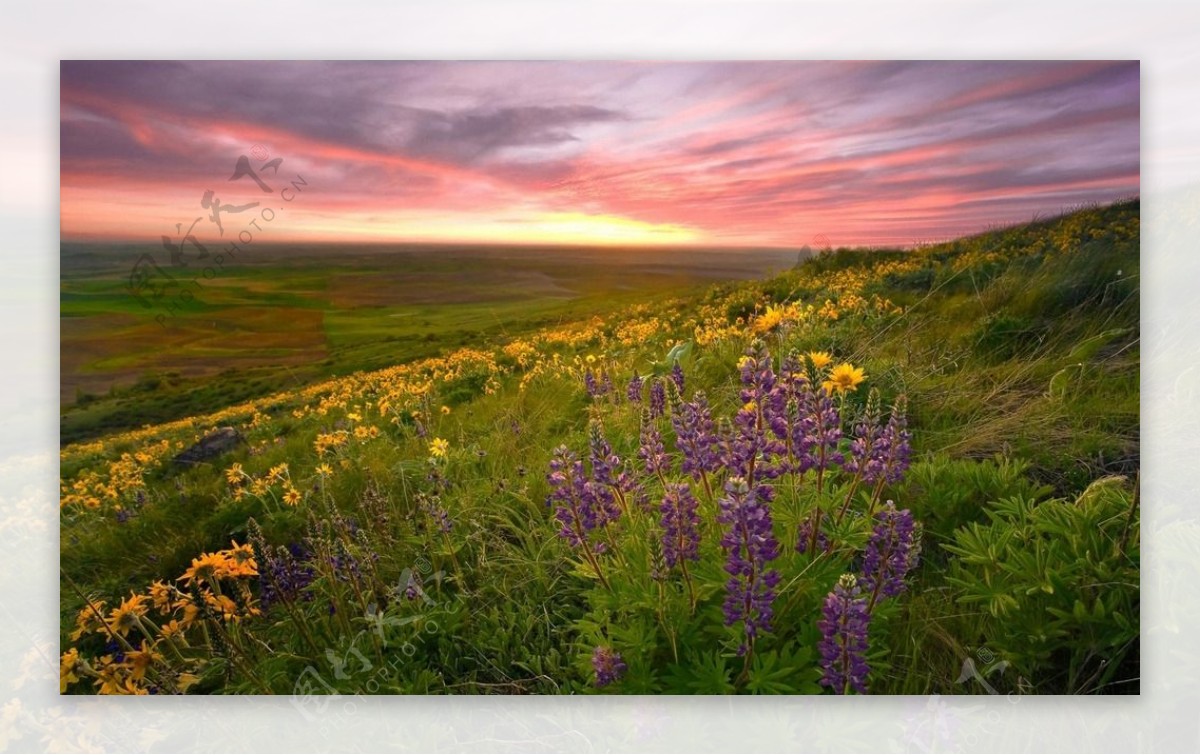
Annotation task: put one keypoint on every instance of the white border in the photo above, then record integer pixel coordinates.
(34, 37)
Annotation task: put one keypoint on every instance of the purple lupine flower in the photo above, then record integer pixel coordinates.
(752, 452)
(895, 452)
(696, 436)
(589, 383)
(574, 497)
(844, 624)
(605, 463)
(283, 573)
(658, 399)
(820, 433)
(610, 475)
(750, 545)
(869, 445)
(606, 384)
(345, 564)
(651, 451)
(634, 390)
(680, 524)
(677, 376)
(787, 414)
(437, 513)
(804, 538)
(608, 665)
(892, 552)
(780, 416)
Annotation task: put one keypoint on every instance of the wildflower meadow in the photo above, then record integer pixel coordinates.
(848, 478)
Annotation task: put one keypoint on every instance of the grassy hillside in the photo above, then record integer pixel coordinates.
(689, 495)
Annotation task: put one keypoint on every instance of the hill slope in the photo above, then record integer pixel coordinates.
(663, 499)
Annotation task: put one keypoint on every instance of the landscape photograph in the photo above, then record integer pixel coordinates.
(599, 377)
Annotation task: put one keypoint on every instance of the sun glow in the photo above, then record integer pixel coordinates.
(567, 228)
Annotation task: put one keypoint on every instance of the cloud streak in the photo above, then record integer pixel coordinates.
(737, 153)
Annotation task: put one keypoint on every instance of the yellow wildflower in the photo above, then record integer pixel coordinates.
(160, 596)
(88, 620)
(209, 567)
(67, 668)
(769, 320)
(844, 377)
(240, 560)
(819, 358)
(124, 617)
(140, 660)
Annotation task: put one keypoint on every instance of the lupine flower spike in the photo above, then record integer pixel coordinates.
(634, 390)
(681, 531)
(607, 665)
(892, 552)
(894, 452)
(750, 545)
(658, 399)
(844, 624)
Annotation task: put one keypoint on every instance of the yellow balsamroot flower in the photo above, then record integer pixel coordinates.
(324, 470)
(445, 409)
(209, 567)
(111, 679)
(769, 320)
(67, 667)
(235, 474)
(292, 497)
(88, 620)
(185, 681)
(844, 377)
(124, 617)
(439, 448)
(240, 560)
(223, 605)
(160, 596)
(819, 359)
(140, 660)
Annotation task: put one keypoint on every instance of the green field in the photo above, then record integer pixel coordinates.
(293, 314)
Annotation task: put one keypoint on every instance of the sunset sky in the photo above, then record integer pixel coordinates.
(710, 154)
